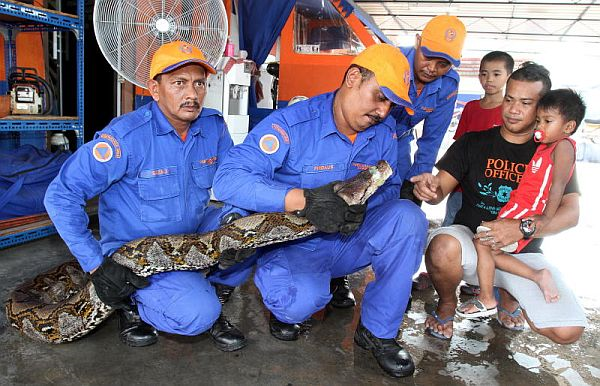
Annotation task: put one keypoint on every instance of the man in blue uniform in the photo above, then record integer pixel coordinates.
(433, 91)
(153, 169)
(313, 143)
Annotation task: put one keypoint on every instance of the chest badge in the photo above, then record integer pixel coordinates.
(269, 143)
(102, 152)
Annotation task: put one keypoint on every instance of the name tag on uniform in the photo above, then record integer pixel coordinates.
(166, 171)
(324, 167)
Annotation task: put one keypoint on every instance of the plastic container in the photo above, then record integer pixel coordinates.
(229, 48)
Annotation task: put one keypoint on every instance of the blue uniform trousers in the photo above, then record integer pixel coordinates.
(294, 280)
(181, 302)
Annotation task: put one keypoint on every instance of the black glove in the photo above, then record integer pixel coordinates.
(354, 218)
(329, 212)
(114, 283)
(231, 257)
(406, 192)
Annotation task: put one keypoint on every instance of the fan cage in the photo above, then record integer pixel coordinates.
(129, 32)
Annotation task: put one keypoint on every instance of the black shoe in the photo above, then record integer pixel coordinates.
(283, 331)
(342, 294)
(226, 336)
(133, 331)
(224, 292)
(390, 356)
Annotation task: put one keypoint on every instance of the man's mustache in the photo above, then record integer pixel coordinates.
(190, 104)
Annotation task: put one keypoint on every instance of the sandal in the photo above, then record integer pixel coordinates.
(481, 312)
(515, 314)
(501, 310)
(441, 321)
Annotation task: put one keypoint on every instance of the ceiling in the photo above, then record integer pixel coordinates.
(548, 20)
(564, 35)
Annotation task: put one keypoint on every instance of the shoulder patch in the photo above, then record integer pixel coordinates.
(114, 142)
(269, 143)
(102, 152)
(282, 132)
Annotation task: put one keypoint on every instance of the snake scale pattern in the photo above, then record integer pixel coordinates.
(61, 305)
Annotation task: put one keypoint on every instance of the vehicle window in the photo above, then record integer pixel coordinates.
(320, 29)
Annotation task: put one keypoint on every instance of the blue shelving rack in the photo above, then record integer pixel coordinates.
(26, 17)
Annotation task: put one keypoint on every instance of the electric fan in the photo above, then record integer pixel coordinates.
(130, 31)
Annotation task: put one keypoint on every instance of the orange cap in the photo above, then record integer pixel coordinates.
(444, 37)
(391, 70)
(173, 55)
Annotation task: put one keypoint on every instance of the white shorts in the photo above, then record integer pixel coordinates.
(567, 312)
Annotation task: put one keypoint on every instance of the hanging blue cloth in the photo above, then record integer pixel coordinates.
(260, 23)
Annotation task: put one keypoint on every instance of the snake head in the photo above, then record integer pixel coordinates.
(359, 188)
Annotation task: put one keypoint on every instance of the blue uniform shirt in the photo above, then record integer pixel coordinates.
(150, 182)
(434, 105)
(300, 147)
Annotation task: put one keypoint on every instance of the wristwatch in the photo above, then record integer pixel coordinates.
(527, 227)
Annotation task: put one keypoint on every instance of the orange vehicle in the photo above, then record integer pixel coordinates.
(317, 43)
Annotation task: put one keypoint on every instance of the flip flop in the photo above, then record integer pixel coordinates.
(441, 321)
(516, 313)
(481, 312)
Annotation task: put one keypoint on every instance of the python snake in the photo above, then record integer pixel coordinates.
(61, 305)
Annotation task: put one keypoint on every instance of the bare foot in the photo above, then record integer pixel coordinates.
(546, 283)
(444, 324)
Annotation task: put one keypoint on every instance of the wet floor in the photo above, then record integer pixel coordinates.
(480, 352)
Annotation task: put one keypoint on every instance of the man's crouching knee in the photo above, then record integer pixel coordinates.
(191, 316)
(443, 250)
(561, 335)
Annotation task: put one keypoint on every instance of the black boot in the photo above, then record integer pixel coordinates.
(390, 356)
(224, 292)
(342, 294)
(133, 331)
(283, 331)
(226, 336)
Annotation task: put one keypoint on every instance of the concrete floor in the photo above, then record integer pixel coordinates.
(479, 353)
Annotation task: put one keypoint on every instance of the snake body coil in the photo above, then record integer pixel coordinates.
(61, 305)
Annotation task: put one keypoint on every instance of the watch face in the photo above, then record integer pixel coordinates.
(527, 227)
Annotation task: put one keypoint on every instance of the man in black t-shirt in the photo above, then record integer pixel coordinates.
(489, 165)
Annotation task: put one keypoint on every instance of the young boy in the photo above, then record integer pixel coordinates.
(478, 115)
(535, 201)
